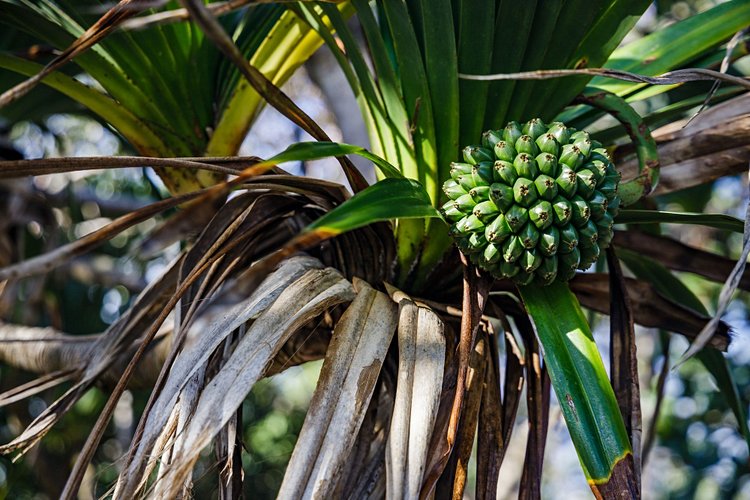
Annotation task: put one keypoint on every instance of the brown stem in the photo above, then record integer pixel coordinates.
(476, 290)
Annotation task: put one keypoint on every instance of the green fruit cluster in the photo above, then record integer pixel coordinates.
(534, 202)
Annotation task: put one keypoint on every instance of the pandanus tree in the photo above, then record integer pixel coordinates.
(456, 271)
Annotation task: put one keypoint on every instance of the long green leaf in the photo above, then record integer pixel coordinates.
(476, 37)
(668, 48)
(416, 94)
(441, 66)
(582, 386)
(512, 35)
(597, 39)
(441, 69)
(385, 200)
(386, 137)
(135, 130)
(55, 27)
(396, 122)
(717, 221)
(543, 29)
(290, 43)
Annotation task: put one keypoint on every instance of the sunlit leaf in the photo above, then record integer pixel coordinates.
(386, 200)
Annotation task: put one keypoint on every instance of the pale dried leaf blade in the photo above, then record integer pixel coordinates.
(42, 350)
(226, 313)
(311, 295)
(36, 386)
(421, 337)
(101, 356)
(428, 381)
(355, 356)
(333, 374)
(397, 449)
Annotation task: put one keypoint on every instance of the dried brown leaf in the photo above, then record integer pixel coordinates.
(476, 291)
(680, 257)
(537, 403)
(649, 307)
(623, 361)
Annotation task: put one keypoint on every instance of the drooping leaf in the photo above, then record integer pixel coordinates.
(680, 257)
(645, 146)
(650, 308)
(386, 200)
(668, 48)
(582, 387)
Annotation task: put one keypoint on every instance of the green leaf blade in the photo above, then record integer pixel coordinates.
(386, 200)
(581, 383)
(717, 221)
(675, 45)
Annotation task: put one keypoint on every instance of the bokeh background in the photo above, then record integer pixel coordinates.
(697, 451)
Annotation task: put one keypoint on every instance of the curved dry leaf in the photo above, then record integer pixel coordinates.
(649, 308)
(421, 341)
(309, 296)
(680, 257)
(43, 350)
(356, 353)
(725, 296)
(103, 353)
(670, 78)
(42, 166)
(36, 386)
(204, 336)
